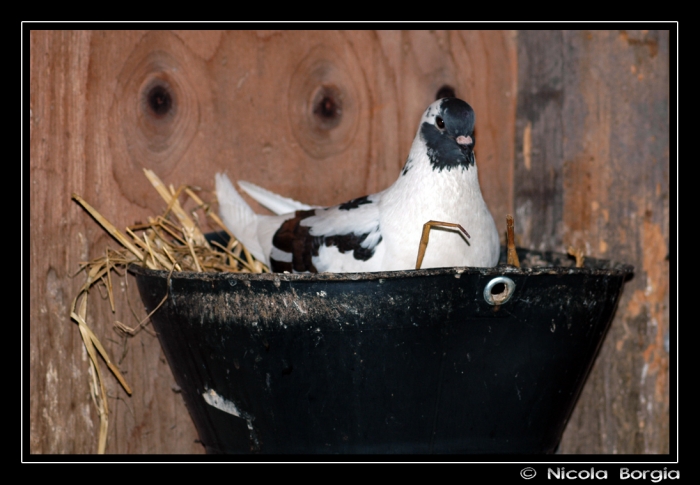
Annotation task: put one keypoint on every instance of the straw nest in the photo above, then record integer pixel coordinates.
(173, 241)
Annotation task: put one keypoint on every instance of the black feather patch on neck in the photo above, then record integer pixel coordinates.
(407, 166)
(354, 203)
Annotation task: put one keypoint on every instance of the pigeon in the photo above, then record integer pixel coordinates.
(382, 231)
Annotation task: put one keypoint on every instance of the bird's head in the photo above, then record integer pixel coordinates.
(447, 129)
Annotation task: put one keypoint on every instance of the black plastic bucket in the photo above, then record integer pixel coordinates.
(423, 361)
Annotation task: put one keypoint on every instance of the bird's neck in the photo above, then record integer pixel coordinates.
(420, 180)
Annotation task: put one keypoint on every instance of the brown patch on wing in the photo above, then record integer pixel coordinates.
(294, 238)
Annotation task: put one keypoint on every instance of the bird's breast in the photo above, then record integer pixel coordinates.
(443, 198)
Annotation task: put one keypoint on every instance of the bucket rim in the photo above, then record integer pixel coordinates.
(596, 267)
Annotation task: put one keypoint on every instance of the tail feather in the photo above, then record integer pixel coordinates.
(238, 217)
(276, 203)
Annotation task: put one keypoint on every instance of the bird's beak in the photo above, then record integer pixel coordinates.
(466, 144)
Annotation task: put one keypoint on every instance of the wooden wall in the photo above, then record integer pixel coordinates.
(592, 170)
(572, 138)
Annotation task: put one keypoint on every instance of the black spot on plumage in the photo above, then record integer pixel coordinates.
(354, 203)
(444, 152)
(352, 242)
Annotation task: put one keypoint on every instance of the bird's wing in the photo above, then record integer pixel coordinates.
(357, 216)
(238, 217)
(341, 238)
(276, 203)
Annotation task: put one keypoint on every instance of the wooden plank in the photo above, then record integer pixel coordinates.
(70, 153)
(592, 171)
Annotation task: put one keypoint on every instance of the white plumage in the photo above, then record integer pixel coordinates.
(382, 231)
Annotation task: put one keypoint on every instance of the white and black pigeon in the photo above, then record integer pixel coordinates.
(382, 231)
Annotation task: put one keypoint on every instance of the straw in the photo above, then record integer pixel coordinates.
(165, 243)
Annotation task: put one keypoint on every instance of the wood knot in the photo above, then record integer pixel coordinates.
(159, 99)
(327, 107)
(156, 129)
(155, 113)
(324, 103)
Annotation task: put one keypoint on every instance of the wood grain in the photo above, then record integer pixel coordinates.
(592, 171)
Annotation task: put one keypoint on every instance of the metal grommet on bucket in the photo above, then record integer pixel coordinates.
(499, 290)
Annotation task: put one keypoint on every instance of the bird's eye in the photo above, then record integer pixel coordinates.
(440, 122)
